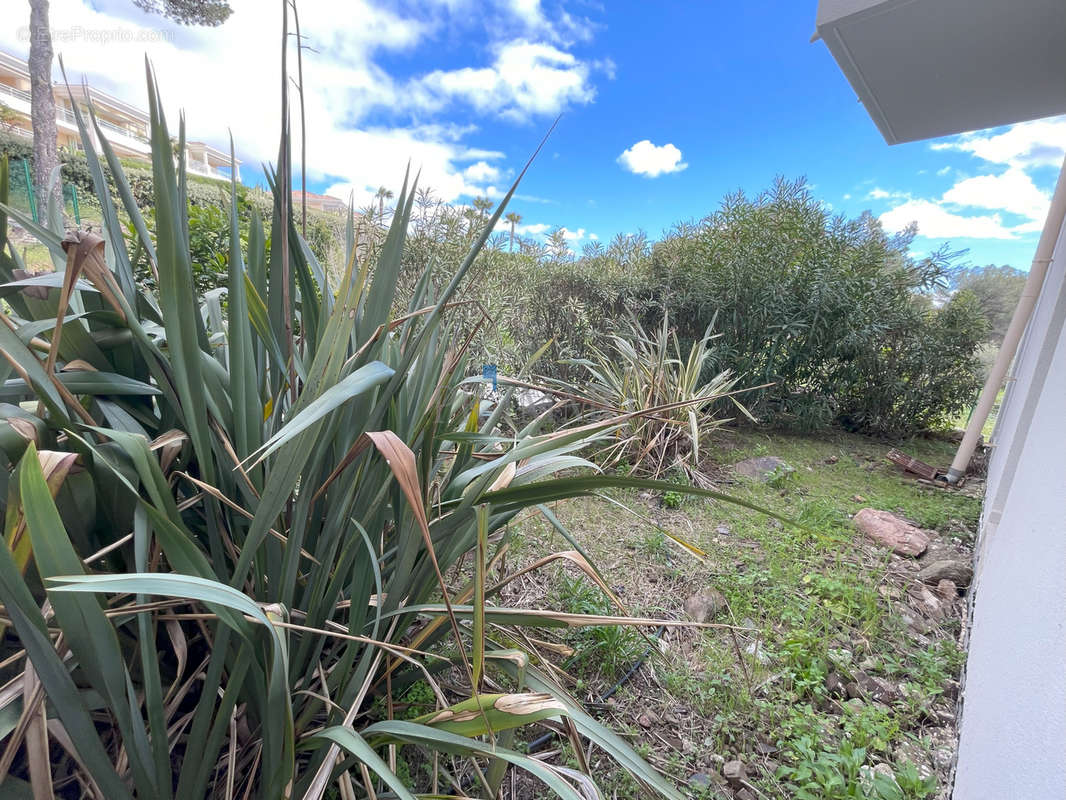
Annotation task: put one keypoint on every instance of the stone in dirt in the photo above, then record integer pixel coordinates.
(913, 752)
(709, 784)
(648, 719)
(879, 689)
(870, 687)
(762, 468)
(834, 685)
(888, 529)
(744, 794)
(947, 589)
(756, 651)
(734, 772)
(930, 603)
(699, 780)
(955, 570)
(705, 605)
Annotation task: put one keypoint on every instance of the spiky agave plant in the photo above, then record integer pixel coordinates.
(227, 533)
(642, 369)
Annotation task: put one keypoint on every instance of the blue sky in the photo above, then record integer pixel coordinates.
(665, 108)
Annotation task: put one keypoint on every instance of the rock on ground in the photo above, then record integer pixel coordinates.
(762, 468)
(947, 589)
(735, 773)
(955, 570)
(705, 605)
(889, 530)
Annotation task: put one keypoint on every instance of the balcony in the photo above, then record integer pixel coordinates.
(132, 142)
(208, 170)
(11, 91)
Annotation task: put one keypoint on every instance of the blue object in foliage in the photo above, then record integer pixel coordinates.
(488, 373)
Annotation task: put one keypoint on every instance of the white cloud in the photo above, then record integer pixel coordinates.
(645, 158)
(533, 229)
(526, 79)
(227, 78)
(877, 193)
(563, 27)
(936, 222)
(1013, 192)
(540, 230)
(481, 172)
(1028, 144)
(1017, 204)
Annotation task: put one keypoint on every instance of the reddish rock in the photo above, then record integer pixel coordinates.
(888, 529)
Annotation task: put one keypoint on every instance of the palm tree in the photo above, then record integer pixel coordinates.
(514, 219)
(482, 204)
(471, 217)
(382, 195)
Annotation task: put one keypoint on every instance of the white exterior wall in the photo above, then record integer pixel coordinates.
(1013, 729)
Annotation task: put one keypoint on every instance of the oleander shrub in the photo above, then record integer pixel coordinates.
(832, 313)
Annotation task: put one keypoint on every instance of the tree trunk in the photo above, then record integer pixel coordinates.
(42, 108)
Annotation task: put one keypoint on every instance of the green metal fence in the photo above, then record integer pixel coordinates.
(22, 196)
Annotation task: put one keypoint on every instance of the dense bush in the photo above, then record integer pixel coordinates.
(73, 169)
(208, 210)
(924, 372)
(209, 235)
(997, 291)
(832, 313)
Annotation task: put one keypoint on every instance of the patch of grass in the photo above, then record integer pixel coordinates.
(810, 601)
(673, 500)
(653, 545)
(871, 727)
(36, 257)
(606, 650)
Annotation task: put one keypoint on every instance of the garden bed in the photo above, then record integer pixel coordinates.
(840, 665)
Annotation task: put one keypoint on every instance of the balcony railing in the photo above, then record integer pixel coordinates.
(66, 115)
(199, 168)
(11, 91)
